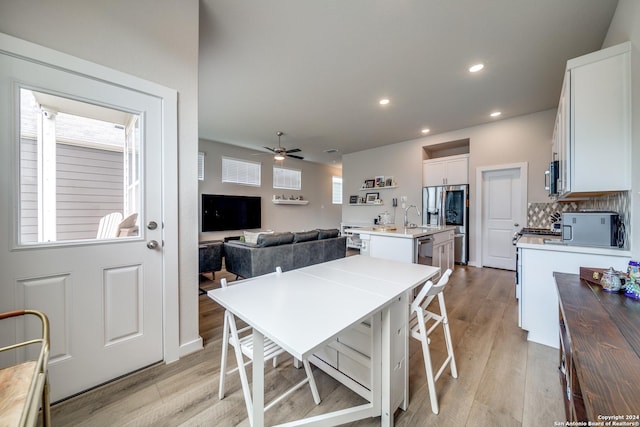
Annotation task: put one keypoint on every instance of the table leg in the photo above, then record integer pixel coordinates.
(386, 414)
(258, 379)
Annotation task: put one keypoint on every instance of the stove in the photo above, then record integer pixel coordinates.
(532, 231)
(539, 231)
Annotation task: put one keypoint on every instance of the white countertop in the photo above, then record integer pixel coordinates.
(407, 233)
(537, 242)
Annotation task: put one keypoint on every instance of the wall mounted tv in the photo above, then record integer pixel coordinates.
(220, 212)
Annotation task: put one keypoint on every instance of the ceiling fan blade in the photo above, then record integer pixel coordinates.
(295, 157)
(293, 150)
(270, 149)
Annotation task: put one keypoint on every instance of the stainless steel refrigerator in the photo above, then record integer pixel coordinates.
(449, 205)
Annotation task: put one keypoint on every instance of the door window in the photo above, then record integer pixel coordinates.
(455, 206)
(79, 170)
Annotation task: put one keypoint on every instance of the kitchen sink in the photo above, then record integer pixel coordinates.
(384, 228)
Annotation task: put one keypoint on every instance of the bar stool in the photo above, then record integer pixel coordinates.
(420, 317)
(242, 342)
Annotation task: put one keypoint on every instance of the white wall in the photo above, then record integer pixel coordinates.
(625, 26)
(520, 139)
(153, 39)
(316, 188)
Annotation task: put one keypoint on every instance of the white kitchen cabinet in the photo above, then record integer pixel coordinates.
(398, 249)
(443, 250)
(593, 127)
(561, 138)
(452, 170)
(538, 303)
(348, 358)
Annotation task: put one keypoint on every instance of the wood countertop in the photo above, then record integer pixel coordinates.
(603, 334)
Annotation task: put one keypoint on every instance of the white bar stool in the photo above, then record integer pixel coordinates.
(242, 342)
(420, 317)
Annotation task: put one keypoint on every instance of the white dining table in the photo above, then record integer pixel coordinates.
(302, 310)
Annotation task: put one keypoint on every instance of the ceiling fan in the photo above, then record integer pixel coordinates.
(281, 152)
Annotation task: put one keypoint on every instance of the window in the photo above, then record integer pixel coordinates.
(289, 179)
(79, 163)
(336, 190)
(238, 171)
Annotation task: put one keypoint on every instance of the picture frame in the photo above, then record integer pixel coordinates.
(379, 181)
(353, 200)
(369, 183)
(388, 181)
(372, 197)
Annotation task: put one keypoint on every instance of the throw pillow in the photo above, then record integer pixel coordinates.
(328, 233)
(274, 239)
(252, 237)
(305, 236)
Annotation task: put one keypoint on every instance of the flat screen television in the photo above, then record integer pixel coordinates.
(221, 212)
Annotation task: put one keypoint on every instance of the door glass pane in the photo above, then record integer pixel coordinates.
(79, 170)
(455, 206)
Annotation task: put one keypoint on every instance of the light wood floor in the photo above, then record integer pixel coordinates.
(503, 380)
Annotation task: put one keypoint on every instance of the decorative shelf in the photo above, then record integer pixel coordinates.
(377, 188)
(290, 202)
(366, 204)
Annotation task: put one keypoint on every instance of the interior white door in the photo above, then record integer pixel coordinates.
(502, 216)
(104, 298)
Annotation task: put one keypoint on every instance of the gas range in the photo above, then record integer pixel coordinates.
(532, 231)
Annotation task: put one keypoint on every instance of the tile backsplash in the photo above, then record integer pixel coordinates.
(539, 214)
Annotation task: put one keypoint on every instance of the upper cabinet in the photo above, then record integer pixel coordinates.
(592, 137)
(452, 170)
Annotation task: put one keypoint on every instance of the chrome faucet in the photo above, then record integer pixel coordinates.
(406, 218)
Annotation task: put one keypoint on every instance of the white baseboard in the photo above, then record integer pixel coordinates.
(191, 347)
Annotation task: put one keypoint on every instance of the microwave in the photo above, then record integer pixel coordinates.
(551, 178)
(592, 228)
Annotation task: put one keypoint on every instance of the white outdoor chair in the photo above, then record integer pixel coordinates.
(108, 226)
(418, 324)
(127, 227)
(242, 342)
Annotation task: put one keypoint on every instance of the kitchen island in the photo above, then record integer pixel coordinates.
(432, 245)
(535, 284)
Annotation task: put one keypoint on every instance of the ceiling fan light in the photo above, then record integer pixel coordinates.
(279, 157)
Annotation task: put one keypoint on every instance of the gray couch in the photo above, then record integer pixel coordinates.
(286, 250)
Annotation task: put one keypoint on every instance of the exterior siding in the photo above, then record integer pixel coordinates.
(89, 185)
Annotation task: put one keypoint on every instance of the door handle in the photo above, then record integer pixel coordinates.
(152, 244)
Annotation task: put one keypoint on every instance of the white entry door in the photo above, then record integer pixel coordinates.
(72, 150)
(502, 216)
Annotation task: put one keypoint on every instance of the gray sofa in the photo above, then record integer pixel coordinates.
(286, 250)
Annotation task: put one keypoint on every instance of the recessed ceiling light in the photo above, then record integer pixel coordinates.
(495, 114)
(384, 101)
(425, 130)
(475, 68)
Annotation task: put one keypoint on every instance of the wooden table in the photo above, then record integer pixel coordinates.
(302, 310)
(599, 352)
